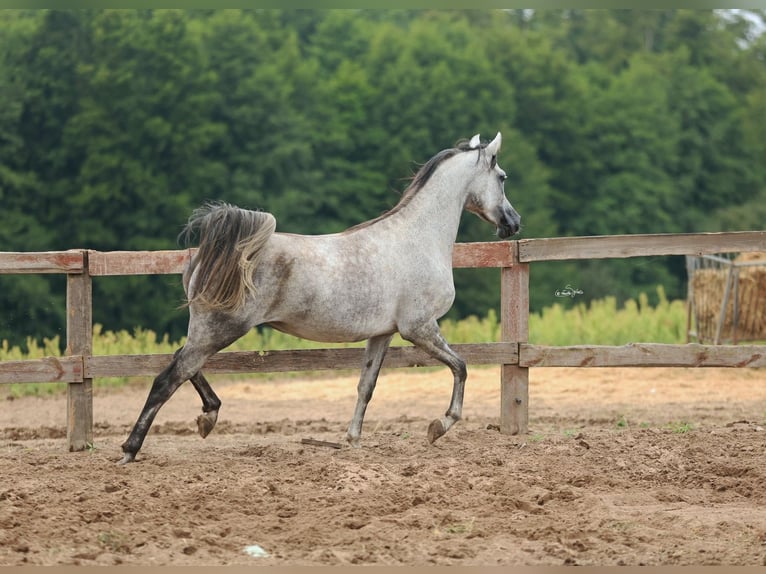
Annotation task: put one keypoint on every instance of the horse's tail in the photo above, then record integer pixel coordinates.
(231, 242)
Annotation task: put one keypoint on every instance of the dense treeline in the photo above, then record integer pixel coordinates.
(115, 124)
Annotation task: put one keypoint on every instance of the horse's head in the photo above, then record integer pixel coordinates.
(486, 196)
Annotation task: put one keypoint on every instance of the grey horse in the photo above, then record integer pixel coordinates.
(387, 275)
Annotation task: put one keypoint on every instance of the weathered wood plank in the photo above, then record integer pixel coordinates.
(643, 355)
(295, 360)
(41, 262)
(477, 254)
(79, 337)
(45, 370)
(138, 262)
(487, 254)
(514, 317)
(621, 246)
(491, 254)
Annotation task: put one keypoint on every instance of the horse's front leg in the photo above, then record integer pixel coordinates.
(374, 354)
(429, 338)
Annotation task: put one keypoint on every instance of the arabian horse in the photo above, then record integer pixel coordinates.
(390, 274)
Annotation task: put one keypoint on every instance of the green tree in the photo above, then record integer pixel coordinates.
(261, 78)
(116, 124)
(142, 138)
(31, 305)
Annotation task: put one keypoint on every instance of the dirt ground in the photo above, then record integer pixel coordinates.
(620, 466)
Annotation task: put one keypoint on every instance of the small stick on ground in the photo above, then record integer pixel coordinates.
(315, 442)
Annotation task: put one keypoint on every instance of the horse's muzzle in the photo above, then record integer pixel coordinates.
(510, 224)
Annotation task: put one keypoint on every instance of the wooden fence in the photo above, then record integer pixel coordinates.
(516, 356)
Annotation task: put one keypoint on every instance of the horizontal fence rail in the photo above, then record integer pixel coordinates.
(465, 255)
(47, 370)
(514, 353)
(624, 246)
(642, 355)
(42, 262)
(295, 360)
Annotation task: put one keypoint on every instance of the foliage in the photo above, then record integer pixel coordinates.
(601, 322)
(116, 124)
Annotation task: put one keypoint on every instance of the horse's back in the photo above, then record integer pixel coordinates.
(325, 288)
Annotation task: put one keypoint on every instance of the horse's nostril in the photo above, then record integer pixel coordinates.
(505, 231)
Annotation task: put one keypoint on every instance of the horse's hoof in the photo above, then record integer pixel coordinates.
(126, 458)
(435, 430)
(206, 422)
(355, 442)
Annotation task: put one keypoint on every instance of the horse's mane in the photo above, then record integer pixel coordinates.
(419, 180)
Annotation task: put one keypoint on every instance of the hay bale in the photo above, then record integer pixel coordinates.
(752, 295)
(752, 302)
(708, 288)
(751, 256)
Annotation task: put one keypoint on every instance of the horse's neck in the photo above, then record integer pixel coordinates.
(433, 214)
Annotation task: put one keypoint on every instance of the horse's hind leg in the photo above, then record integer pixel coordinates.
(429, 338)
(210, 404)
(373, 359)
(208, 334)
(186, 362)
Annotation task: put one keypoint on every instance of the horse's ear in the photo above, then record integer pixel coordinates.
(475, 142)
(494, 146)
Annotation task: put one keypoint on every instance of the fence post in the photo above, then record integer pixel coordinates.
(514, 317)
(79, 335)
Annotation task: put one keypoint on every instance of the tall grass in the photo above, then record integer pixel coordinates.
(599, 323)
(603, 323)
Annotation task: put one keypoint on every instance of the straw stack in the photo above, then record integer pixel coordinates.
(708, 288)
(752, 296)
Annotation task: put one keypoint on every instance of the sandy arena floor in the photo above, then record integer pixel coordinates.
(621, 466)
